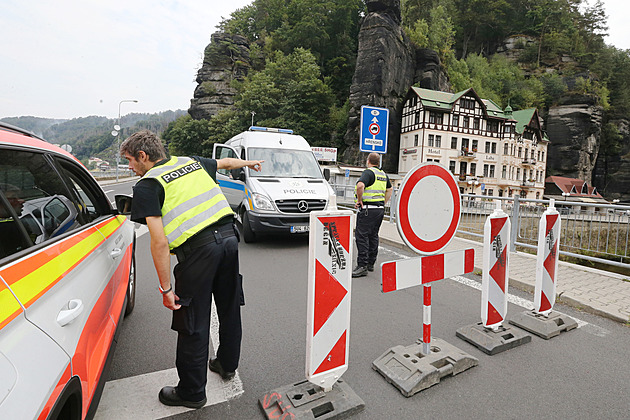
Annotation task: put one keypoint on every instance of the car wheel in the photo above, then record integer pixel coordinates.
(248, 234)
(131, 287)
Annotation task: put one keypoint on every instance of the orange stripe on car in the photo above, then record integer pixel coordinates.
(31, 277)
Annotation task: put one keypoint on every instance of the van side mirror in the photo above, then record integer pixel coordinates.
(123, 203)
(327, 174)
(238, 174)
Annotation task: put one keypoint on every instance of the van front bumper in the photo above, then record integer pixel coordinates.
(280, 223)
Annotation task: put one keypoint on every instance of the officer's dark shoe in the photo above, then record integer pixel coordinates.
(360, 271)
(169, 396)
(216, 367)
(370, 267)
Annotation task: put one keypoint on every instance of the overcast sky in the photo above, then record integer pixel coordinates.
(75, 58)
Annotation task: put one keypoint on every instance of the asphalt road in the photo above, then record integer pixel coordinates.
(581, 374)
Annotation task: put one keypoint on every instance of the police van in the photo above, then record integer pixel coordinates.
(280, 197)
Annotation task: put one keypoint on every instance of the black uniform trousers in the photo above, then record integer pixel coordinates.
(369, 221)
(209, 270)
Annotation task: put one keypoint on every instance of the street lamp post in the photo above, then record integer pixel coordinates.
(118, 135)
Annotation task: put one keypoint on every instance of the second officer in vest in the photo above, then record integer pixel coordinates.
(187, 215)
(372, 191)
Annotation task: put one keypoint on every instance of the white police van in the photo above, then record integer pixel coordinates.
(280, 197)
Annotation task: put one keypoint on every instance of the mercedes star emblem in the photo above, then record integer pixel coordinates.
(302, 206)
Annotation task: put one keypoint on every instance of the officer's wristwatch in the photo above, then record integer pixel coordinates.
(163, 291)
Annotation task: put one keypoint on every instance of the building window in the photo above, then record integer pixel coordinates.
(438, 141)
(454, 143)
(418, 117)
(435, 117)
(475, 143)
(490, 192)
(500, 193)
(543, 156)
(476, 123)
(487, 147)
(466, 121)
(493, 126)
(485, 171)
(465, 144)
(491, 171)
(494, 148)
(415, 140)
(473, 169)
(468, 103)
(520, 151)
(431, 140)
(451, 166)
(505, 149)
(463, 167)
(503, 172)
(533, 154)
(537, 195)
(528, 135)
(518, 173)
(455, 120)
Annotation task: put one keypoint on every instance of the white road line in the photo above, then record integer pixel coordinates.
(108, 191)
(524, 303)
(136, 397)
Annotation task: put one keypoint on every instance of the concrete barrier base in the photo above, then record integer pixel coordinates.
(411, 371)
(490, 341)
(545, 326)
(307, 401)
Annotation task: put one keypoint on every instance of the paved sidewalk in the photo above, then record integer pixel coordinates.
(600, 292)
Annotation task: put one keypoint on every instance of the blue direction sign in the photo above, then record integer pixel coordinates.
(374, 124)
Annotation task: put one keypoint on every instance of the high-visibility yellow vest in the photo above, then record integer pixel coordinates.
(375, 192)
(192, 200)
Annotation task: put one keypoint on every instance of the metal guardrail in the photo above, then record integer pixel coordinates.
(98, 174)
(594, 232)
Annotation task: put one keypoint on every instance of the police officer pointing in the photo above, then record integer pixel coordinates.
(187, 215)
(372, 191)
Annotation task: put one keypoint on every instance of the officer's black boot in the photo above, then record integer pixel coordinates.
(360, 271)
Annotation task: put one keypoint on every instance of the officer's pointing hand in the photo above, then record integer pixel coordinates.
(169, 299)
(256, 165)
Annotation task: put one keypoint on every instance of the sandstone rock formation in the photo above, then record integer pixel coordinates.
(612, 173)
(574, 128)
(226, 58)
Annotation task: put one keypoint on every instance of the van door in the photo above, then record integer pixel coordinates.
(231, 182)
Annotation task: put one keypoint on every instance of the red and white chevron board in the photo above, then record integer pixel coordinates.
(494, 279)
(329, 285)
(401, 274)
(547, 260)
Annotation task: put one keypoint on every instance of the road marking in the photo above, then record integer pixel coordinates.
(524, 303)
(108, 191)
(136, 397)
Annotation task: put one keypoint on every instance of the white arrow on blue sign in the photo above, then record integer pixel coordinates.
(374, 127)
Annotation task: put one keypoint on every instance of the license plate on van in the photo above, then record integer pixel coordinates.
(299, 229)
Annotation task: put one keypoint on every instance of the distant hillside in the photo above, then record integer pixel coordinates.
(91, 136)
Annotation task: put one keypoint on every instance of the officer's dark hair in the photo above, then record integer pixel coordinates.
(373, 158)
(145, 141)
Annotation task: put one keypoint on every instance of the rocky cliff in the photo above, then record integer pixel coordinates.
(387, 65)
(612, 172)
(574, 129)
(226, 58)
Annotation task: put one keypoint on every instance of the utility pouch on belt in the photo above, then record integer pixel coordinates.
(240, 290)
(184, 317)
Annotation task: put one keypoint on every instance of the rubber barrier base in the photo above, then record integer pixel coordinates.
(544, 326)
(411, 371)
(307, 401)
(490, 341)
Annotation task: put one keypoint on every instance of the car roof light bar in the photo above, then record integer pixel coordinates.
(271, 130)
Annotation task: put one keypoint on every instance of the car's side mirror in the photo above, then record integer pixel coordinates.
(327, 174)
(123, 203)
(238, 174)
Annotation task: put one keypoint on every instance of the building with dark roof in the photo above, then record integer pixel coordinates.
(572, 190)
(490, 151)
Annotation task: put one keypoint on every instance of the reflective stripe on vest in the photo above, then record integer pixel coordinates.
(376, 191)
(189, 206)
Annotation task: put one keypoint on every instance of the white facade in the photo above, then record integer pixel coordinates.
(479, 143)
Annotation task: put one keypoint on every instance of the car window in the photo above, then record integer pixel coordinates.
(225, 152)
(40, 199)
(13, 238)
(88, 198)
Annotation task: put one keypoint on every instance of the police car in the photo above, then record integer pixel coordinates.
(67, 278)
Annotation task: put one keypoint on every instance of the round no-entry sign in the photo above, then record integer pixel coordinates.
(428, 208)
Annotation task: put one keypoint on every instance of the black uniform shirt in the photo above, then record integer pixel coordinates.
(148, 193)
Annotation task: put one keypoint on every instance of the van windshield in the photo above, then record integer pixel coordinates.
(283, 163)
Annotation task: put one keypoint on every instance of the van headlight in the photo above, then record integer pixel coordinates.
(261, 202)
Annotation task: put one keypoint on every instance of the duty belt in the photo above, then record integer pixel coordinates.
(206, 236)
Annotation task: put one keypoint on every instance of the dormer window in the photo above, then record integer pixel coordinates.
(584, 188)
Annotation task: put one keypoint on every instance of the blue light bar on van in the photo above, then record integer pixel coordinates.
(271, 130)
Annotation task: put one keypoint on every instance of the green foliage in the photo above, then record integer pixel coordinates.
(208, 88)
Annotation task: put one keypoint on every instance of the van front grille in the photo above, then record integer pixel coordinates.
(300, 206)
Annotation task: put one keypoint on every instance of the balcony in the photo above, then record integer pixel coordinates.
(529, 162)
(468, 154)
(528, 184)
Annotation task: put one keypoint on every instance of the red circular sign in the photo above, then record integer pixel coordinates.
(374, 129)
(428, 208)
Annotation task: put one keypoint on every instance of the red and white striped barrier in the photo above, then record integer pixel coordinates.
(547, 261)
(494, 279)
(329, 285)
(401, 274)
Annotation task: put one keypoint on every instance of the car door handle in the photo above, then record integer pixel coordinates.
(70, 312)
(115, 253)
